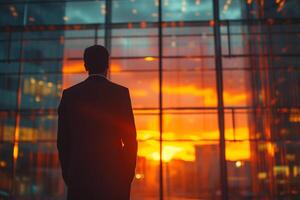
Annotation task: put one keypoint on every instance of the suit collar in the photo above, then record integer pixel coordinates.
(97, 75)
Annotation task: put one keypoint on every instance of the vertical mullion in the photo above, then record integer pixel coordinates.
(9, 46)
(96, 34)
(219, 83)
(18, 113)
(228, 37)
(18, 105)
(233, 123)
(107, 29)
(161, 188)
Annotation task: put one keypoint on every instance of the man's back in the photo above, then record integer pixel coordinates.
(97, 139)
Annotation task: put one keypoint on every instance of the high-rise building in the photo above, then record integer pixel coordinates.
(275, 77)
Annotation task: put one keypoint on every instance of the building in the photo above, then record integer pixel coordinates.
(275, 99)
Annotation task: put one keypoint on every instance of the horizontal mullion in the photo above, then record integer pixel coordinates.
(282, 109)
(143, 57)
(282, 140)
(148, 36)
(150, 24)
(150, 70)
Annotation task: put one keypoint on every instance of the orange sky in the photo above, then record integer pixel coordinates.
(195, 128)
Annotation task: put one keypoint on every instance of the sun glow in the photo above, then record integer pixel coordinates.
(172, 148)
(209, 94)
(149, 145)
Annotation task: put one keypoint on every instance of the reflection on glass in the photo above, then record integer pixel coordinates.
(146, 182)
(8, 88)
(191, 177)
(84, 12)
(38, 127)
(7, 126)
(40, 91)
(37, 172)
(260, 68)
(6, 170)
(191, 125)
(187, 41)
(187, 10)
(134, 11)
(182, 88)
(134, 42)
(143, 87)
(11, 14)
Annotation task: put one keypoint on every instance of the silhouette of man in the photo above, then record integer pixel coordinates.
(96, 134)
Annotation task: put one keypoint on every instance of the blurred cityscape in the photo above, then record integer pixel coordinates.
(165, 52)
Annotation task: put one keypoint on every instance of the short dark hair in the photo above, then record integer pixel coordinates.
(96, 59)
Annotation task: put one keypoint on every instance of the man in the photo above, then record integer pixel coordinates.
(96, 134)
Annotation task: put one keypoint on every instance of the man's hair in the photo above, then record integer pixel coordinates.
(96, 59)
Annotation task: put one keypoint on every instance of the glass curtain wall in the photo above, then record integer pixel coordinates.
(165, 52)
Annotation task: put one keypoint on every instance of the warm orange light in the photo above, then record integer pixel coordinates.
(186, 150)
(281, 5)
(149, 58)
(238, 151)
(271, 149)
(115, 68)
(16, 151)
(294, 118)
(147, 134)
(3, 164)
(148, 137)
(138, 93)
(143, 24)
(209, 94)
(78, 67)
(139, 176)
(129, 25)
(17, 136)
(73, 67)
(168, 153)
(238, 164)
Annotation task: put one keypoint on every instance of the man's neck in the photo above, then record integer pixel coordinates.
(100, 75)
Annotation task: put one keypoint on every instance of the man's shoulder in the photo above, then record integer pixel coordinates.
(118, 86)
(77, 87)
(73, 88)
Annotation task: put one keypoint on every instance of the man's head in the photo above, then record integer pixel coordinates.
(96, 59)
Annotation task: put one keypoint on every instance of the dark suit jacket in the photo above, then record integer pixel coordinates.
(97, 140)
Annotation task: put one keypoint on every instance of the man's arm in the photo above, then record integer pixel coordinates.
(129, 137)
(62, 137)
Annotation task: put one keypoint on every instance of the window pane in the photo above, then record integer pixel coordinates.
(7, 126)
(6, 155)
(84, 12)
(38, 173)
(191, 170)
(8, 89)
(41, 91)
(192, 88)
(143, 87)
(134, 11)
(134, 43)
(11, 14)
(188, 41)
(37, 126)
(200, 125)
(146, 182)
(187, 10)
(267, 164)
